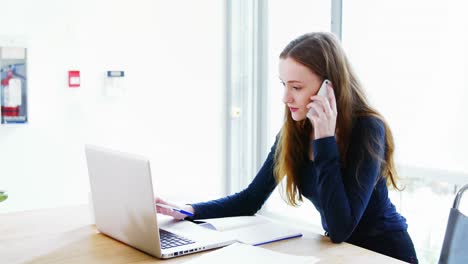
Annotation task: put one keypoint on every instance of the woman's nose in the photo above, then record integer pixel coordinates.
(287, 97)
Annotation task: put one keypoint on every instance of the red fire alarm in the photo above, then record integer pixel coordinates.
(73, 79)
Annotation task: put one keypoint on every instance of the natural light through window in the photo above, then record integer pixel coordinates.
(411, 57)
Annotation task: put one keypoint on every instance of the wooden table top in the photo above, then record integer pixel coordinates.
(67, 235)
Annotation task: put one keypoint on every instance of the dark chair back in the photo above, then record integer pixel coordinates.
(455, 246)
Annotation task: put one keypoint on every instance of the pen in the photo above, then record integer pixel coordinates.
(175, 209)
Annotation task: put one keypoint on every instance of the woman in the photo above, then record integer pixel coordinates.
(340, 156)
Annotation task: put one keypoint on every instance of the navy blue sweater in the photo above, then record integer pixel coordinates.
(353, 202)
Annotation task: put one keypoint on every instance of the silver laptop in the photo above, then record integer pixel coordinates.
(124, 208)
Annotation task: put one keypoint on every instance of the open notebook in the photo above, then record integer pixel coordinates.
(252, 230)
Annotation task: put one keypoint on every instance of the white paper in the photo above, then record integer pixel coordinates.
(245, 254)
(14, 87)
(229, 223)
(252, 230)
(13, 93)
(262, 234)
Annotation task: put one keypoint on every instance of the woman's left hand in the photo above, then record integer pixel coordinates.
(324, 118)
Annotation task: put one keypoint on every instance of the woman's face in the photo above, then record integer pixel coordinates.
(300, 83)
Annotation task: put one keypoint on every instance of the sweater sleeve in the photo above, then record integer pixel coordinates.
(344, 193)
(246, 202)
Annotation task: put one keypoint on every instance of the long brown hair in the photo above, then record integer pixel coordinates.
(322, 53)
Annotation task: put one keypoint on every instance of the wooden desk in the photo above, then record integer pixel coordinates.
(66, 235)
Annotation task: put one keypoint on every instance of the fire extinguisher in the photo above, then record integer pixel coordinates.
(11, 94)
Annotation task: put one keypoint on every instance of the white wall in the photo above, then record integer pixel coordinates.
(171, 111)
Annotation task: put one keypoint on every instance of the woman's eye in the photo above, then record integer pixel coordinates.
(296, 88)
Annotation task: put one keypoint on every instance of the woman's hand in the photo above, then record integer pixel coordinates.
(169, 212)
(324, 118)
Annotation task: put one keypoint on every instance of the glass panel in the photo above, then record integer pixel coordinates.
(411, 57)
(417, 62)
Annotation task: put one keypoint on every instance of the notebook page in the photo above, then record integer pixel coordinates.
(262, 233)
(231, 223)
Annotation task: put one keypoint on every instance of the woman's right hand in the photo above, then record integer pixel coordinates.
(324, 117)
(169, 212)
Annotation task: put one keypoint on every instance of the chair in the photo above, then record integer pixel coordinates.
(455, 246)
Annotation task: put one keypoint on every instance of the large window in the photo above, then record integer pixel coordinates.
(412, 58)
(413, 55)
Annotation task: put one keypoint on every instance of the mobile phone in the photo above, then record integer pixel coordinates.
(322, 92)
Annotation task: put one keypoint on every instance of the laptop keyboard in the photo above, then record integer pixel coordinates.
(170, 240)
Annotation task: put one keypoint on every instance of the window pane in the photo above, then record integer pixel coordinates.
(412, 58)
